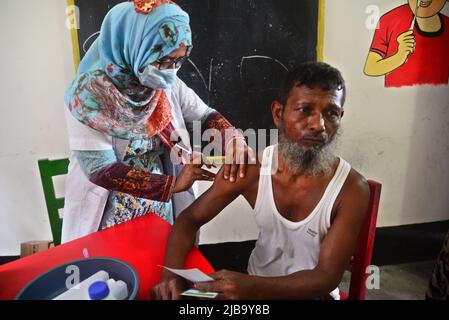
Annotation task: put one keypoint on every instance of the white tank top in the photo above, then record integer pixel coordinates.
(284, 246)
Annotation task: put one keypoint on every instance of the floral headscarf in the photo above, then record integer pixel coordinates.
(106, 94)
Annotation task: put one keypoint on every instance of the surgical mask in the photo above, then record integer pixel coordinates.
(154, 78)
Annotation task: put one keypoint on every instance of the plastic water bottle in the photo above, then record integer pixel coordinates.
(109, 290)
(119, 289)
(100, 291)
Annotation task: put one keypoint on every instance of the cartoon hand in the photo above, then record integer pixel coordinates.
(406, 41)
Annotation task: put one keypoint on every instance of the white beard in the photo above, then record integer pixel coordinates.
(315, 161)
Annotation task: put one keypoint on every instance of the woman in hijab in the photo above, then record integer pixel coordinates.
(126, 114)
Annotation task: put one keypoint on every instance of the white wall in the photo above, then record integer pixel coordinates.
(235, 223)
(36, 66)
(396, 136)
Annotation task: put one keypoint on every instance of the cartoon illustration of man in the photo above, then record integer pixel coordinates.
(411, 45)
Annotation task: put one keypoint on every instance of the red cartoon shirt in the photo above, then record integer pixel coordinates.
(429, 63)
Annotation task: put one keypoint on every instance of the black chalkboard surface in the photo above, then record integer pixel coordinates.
(242, 50)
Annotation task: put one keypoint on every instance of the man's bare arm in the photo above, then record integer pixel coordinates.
(339, 244)
(337, 248)
(201, 211)
(336, 251)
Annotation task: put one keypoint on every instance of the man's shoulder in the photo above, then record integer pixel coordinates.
(241, 184)
(355, 193)
(356, 185)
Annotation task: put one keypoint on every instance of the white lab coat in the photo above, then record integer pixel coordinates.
(84, 201)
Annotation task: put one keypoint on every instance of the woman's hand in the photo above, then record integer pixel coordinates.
(238, 155)
(192, 172)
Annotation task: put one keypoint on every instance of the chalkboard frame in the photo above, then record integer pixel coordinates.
(319, 49)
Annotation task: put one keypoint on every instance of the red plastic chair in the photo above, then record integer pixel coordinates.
(364, 247)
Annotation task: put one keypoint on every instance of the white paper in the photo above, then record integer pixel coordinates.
(193, 275)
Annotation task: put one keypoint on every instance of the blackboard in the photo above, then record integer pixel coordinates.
(242, 50)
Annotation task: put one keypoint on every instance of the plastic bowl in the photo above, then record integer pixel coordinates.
(53, 282)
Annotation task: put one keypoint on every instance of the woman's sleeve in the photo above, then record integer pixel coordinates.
(97, 160)
(103, 169)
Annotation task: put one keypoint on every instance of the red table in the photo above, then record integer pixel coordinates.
(140, 242)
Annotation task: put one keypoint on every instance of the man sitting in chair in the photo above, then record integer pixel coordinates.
(308, 203)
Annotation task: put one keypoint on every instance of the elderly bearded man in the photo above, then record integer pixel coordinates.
(308, 203)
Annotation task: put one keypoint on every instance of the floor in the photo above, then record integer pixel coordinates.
(407, 281)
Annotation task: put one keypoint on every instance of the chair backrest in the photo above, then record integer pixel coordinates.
(48, 169)
(364, 247)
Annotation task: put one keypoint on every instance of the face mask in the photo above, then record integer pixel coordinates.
(154, 78)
